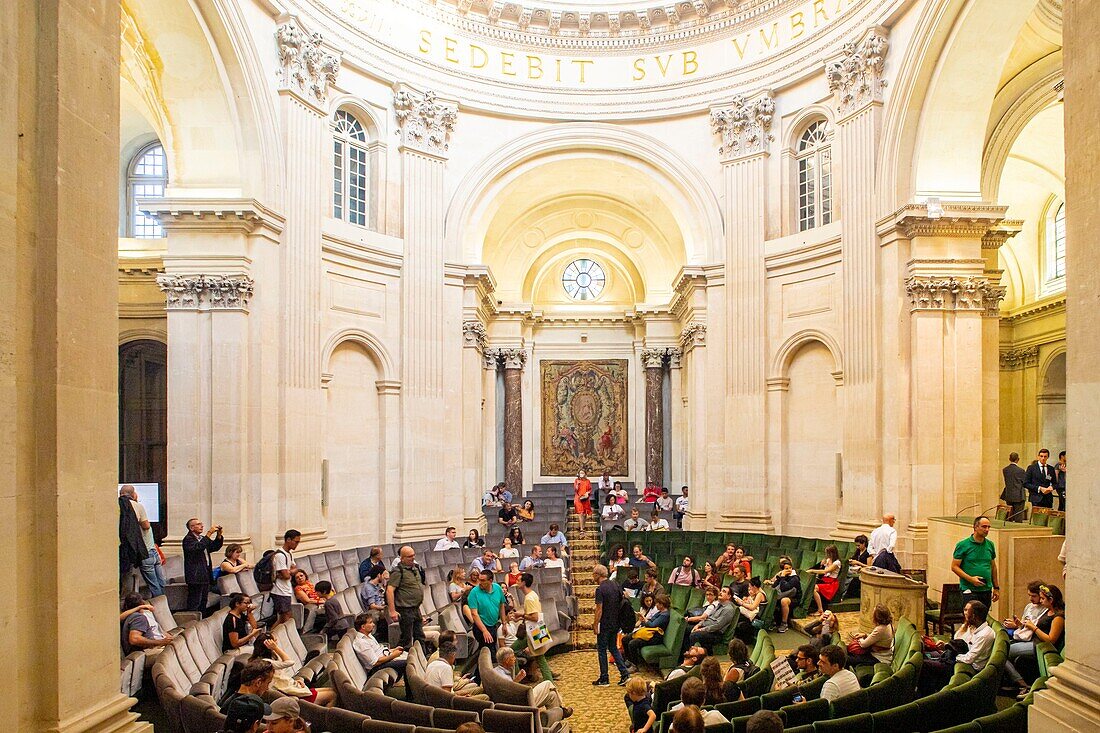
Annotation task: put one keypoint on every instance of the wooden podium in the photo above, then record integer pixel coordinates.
(1024, 553)
(902, 595)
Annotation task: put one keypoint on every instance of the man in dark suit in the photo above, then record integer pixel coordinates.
(1014, 494)
(1039, 481)
(196, 561)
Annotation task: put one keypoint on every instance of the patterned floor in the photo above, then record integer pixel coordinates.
(595, 709)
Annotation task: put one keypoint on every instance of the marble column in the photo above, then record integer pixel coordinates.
(856, 80)
(307, 69)
(59, 128)
(513, 361)
(1072, 699)
(744, 131)
(654, 362)
(425, 123)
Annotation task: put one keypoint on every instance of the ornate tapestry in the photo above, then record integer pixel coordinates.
(584, 417)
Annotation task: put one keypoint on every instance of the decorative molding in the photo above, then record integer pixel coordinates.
(744, 127)
(935, 218)
(305, 67)
(998, 234)
(653, 358)
(512, 358)
(247, 216)
(1022, 358)
(954, 294)
(206, 292)
(694, 334)
(674, 356)
(424, 121)
(1037, 310)
(475, 335)
(855, 79)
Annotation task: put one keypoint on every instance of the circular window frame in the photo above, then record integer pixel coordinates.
(589, 270)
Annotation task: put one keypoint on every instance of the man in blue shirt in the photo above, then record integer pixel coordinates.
(372, 595)
(534, 560)
(639, 561)
(487, 562)
(554, 537)
(486, 602)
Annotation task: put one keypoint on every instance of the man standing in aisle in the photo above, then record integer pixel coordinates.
(1014, 494)
(282, 569)
(881, 546)
(1039, 481)
(974, 561)
(404, 594)
(486, 602)
(609, 597)
(151, 569)
(196, 561)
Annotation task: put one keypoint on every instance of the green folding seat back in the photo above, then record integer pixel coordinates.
(776, 699)
(1040, 519)
(942, 709)
(907, 676)
(719, 728)
(812, 690)
(861, 723)
(898, 719)
(805, 713)
(1057, 525)
(679, 596)
(667, 692)
(971, 727)
(759, 683)
(807, 543)
(1010, 720)
(696, 598)
(732, 710)
(669, 650)
(807, 728)
(737, 538)
(885, 694)
(852, 704)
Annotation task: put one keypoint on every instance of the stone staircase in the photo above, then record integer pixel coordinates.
(585, 552)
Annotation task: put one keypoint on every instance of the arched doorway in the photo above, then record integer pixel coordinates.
(143, 419)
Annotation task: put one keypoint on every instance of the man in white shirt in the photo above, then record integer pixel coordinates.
(282, 569)
(372, 654)
(657, 523)
(554, 537)
(664, 501)
(883, 540)
(680, 507)
(440, 673)
(977, 634)
(447, 541)
(151, 569)
(841, 682)
(635, 523)
(544, 695)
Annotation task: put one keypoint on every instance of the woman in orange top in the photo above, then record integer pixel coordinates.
(582, 497)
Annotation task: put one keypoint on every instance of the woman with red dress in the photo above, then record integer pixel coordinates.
(582, 497)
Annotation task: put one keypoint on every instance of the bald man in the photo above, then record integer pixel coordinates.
(404, 594)
(880, 548)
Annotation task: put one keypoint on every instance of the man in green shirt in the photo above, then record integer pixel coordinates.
(974, 563)
(486, 602)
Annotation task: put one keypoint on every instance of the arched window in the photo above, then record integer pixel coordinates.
(815, 177)
(349, 169)
(147, 179)
(1058, 268)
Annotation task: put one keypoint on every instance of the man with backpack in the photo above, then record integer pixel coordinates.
(609, 602)
(274, 571)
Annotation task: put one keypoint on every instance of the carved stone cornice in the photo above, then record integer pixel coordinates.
(474, 335)
(247, 216)
(1022, 358)
(654, 358)
(948, 219)
(743, 127)
(954, 294)
(206, 292)
(855, 79)
(424, 121)
(306, 69)
(999, 234)
(694, 334)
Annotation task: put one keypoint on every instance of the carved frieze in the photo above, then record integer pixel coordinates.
(694, 334)
(306, 68)
(954, 294)
(474, 334)
(1021, 358)
(744, 127)
(653, 358)
(855, 79)
(424, 121)
(206, 292)
(513, 358)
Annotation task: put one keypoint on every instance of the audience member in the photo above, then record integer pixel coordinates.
(821, 629)
(695, 615)
(336, 621)
(710, 630)
(741, 667)
(507, 515)
(750, 608)
(372, 565)
(603, 487)
(764, 721)
(631, 583)
(515, 575)
(543, 695)
(404, 594)
(140, 629)
(307, 595)
(1039, 480)
(881, 546)
(505, 494)
(974, 561)
(283, 680)
(554, 560)
(664, 501)
(492, 496)
(861, 559)
(650, 585)
(532, 613)
(255, 679)
(651, 631)
(685, 573)
(878, 645)
(534, 560)
(448, 541)
(828, 578)
(639, 561)
(711, 578)
(508, 549)
(473, 540)
(196, 562)
(372, 654)
(657, 523)
(639, 705)
(1046, 625)
(1060, 480)
(693, 656)
(285, 717)
(618, 493)
(372, 596)
(554, 537)
(724, 560)
(245, 714)
(282, 568)
(691, 719)
(470, 727)
(232, 563)
(1033, 611)
(788, 592)
(239, 628)
(737, 581)
(487, 561)
(977, 634)
(151, 569)
(1014, 493)
(680, 507)
(693, 695)
(710, 672)
(527, 511)
(440, 672)
(609, 598)
(613, 511)
(616, 559)
(831, 662)
(635, 523)
(649, 493)
(582, 498)
(486, 603)
(805, 663)
(515, 537)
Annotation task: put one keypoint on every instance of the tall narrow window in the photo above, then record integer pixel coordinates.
(147, 179)
(1059, 268)
(349, 169)
(143, 417)
(815, 177)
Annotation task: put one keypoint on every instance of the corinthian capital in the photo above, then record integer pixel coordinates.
(513, 358)
(425, 121)
(856, 77)
(654, 358)
(475, 334)
(206, 292)
(1027, 356)
(743, 127)
(954, 294)
(305, 67)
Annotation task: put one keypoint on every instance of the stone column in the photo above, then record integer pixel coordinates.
(1072, 699)
(425, 123)
(513, 361)
(744, 130)
(473, 422)
(59, 401)
(307, 71)
(654, 362)
(950, 297)
(693, 340)
(856, 80)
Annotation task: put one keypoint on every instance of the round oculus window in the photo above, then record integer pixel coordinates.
(583, 280)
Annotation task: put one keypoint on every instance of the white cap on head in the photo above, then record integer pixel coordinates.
(284, 707)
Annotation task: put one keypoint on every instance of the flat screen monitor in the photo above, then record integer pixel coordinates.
(149, 496)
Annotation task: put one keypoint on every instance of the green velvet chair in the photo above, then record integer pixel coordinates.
(805, 713)
(861, 723)
(667, 653)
